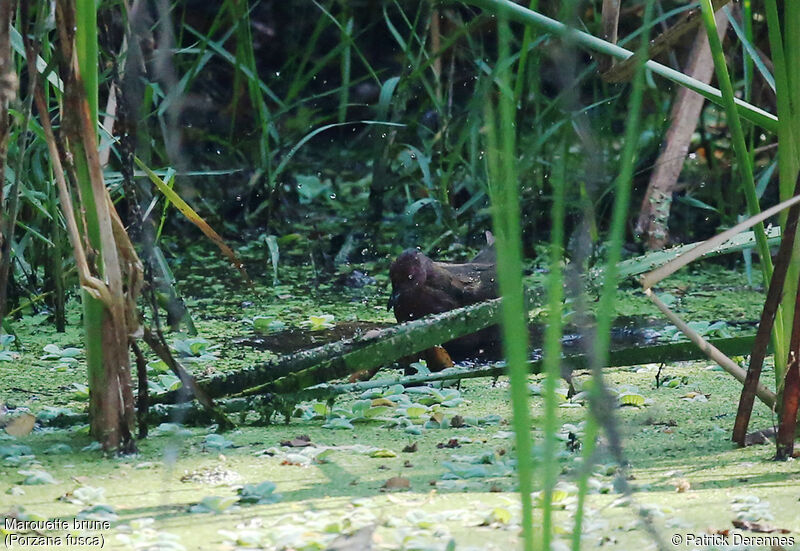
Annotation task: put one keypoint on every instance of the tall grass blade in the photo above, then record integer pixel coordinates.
(506, 217)
(345, 62)
(783, 59)
(743, 160)
(552, 344)
(751, 58)
(605, 309)
(194, 218)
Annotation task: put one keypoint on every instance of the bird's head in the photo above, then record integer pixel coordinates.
(409, 271)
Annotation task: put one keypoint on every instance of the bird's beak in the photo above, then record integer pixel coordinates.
(392, 300)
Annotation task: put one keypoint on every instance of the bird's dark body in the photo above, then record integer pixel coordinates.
(421, 287)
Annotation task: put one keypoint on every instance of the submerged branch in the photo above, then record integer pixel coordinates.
(376, 348)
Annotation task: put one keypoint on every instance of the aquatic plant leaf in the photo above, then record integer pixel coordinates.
(260, 494)
(36, 477)
(213, 504)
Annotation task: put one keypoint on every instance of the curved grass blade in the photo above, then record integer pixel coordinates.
(194, 218)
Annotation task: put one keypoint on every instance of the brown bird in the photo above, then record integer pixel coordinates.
(421, 286)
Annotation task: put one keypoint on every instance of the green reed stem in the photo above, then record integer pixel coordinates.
(745, 166)
(788, 148)
(87, 50)
(519, 13)
(506, 216)
(605, 309)
(522, 66)
(737, 134)
(552, 344)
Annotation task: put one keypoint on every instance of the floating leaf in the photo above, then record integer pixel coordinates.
(217, 442)
(99, 512)
(631, 399)
(260, 494)
(15, 450)
(383, 452)
(213, 504)
(80, 391)
(157, 366)
(245, 538)
(88, 495)
(55, 352)
(499, 515)
(266, 324)
(36, 477)
(24, 514)
(338, 423)
(172, 429)
(318, 322)
(373, 412)
(48, 413)
(415, 411)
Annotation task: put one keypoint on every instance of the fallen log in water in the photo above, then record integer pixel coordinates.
(373, 349)
(297, 372)
(660, 353)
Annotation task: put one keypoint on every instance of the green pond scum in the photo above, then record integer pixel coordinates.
(408, 468)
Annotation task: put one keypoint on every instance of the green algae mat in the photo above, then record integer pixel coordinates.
(391, 467)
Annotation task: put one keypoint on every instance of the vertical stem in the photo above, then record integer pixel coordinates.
(108, 363)
(737, 134)
(747, 68)
(506, 217)
(344, 64)
(605, 308)
(791, 392)
(7, 216)
(56, 262)
(522, 67)
(769, 315)
(783, 321)
(552, 345)
(436, 45)
(86, 47)
(788, 130)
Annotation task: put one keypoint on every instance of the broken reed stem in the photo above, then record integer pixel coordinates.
(764, 394)
(652, 278)
(648, 280)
